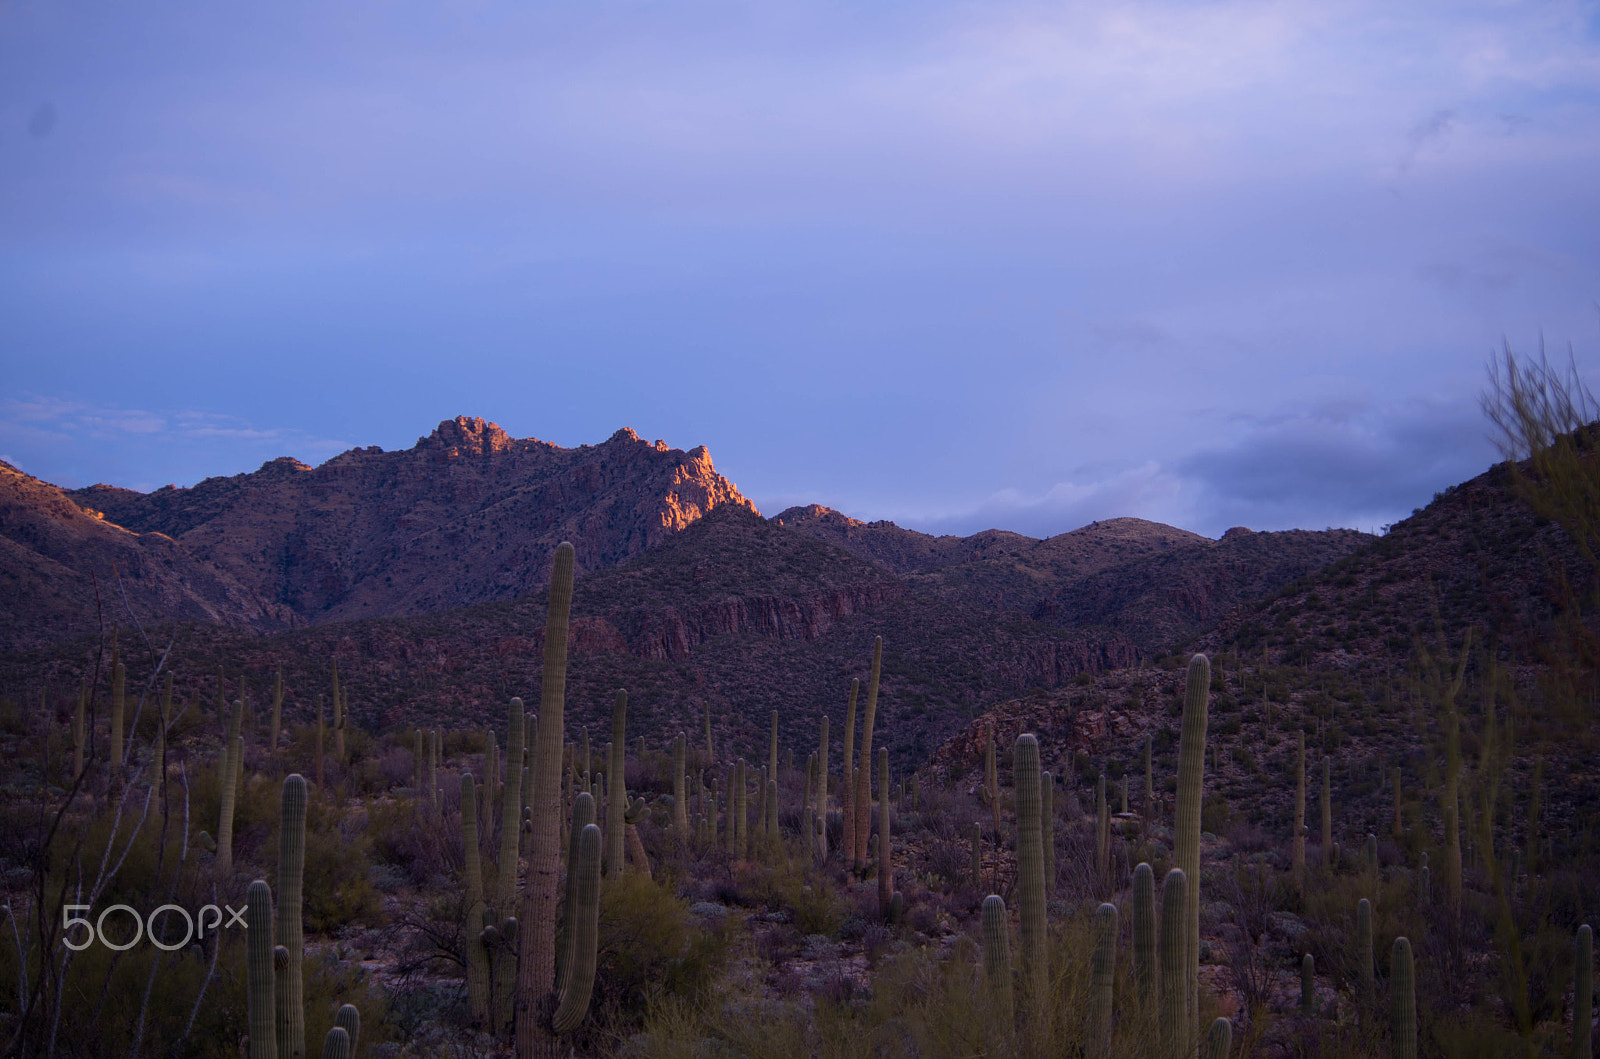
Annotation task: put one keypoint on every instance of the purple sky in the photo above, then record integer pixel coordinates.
(958, 265)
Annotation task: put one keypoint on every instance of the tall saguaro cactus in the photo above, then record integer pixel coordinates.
(541, 1013)
(1327, 811)
(617, 787)
(291, 902)
(232, 760)
(338, 716)
(885, 857)
(847, 788)
(680, 787)
(822, 794)
(477, 955)
(1186, 845)
(1403, 1001)
(1030, 884)
(864, 776)
(1299, 822)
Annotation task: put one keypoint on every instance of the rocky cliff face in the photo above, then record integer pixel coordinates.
(468, 514)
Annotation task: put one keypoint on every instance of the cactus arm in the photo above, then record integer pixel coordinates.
(573, 1003)
(336, 1045)
(1219, 1039)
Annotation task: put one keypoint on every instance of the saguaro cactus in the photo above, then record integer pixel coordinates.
(477, 955)
(1327, 812)
(1103, 965)
(1144, 933)
(617, 786)
(1365, 974)
(885, 857)
(1583, 994)
(864, 775)
(232, 756)
(822, 793)
(291, 874)
(1403, 1001)
(336, 1045)
(997, 961)
(1047, 817)
(1149, 782)
(542, 1013)
(1174, 1017)
(1186, 846)
(1030, 882)
(772, 752)
(1102, 834)
(680, 787)
(1219, 1039)
(259, 974)
(991, 777)
(1299, 822)
(338, 716)
(277, 710)
(1308, 985)
(348, 1018)
(320, 743)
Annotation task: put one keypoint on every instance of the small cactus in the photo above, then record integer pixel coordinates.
(477, 954)
(348, 1018)
(573, 1003)
(1308, 985)
(1219, 1039)
(1102, 833)
(997, 961)
(336, 1045)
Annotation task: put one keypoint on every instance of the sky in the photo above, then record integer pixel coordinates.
(959, 265)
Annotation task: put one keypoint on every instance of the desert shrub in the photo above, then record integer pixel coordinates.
(649, 944)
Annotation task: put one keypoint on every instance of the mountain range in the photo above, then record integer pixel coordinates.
(423, 571)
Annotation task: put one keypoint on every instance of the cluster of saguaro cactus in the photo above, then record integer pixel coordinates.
(274, 986)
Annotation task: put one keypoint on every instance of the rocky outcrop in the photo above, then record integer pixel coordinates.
(468, 514)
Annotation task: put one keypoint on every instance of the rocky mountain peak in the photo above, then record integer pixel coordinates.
(466, 436)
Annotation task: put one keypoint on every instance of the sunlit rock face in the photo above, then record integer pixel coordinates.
(468, 514)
